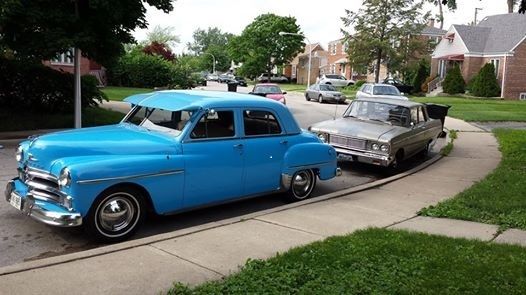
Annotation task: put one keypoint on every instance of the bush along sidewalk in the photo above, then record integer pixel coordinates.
(380, 261)
(449, 146)
(499, 198)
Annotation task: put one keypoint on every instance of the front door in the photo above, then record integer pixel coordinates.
(213, 160)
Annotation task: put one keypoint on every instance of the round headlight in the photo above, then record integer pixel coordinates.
(19, 155)
(322, 137)
(375, 146)
(384, 148)
(64, 178)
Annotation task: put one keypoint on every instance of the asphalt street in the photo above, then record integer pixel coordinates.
(23, 239)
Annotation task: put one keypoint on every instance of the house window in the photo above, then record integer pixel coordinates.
(333, 69)
(333, 49)
(293, 70)
(522, 96)
(496, 64)
(343, 69)
(64, 58)
(344, 48)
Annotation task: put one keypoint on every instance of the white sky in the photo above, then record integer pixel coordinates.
(319, 20)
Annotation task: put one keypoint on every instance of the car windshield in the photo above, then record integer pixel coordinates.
(377, 111)
(325, 87)
(160, 120)
(267, 89)
(385, 90)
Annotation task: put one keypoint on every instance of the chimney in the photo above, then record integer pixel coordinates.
(431, 22)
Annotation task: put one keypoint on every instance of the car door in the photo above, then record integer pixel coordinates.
(264, 148)
(416, 137)
(213, 153)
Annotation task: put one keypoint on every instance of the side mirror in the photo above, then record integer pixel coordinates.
(284, 92)
(401, 93)
(211, 112)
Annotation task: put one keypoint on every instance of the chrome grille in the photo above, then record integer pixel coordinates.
(42, 185)
(347, 142)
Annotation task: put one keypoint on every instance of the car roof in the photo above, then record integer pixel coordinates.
(395, 101)
(177, 100)
(267, 84)
(379, 84)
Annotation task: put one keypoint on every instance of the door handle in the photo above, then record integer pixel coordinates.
(284, 142)
(238, 146)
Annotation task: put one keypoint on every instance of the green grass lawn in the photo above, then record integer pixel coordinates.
(33, 121)
(381, 261)
(120, 93)
(498, 199)
(472, 109)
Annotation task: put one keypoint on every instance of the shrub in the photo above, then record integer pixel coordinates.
(31, 87)
(420, 77)
(137, 69)
(454, 83)
(359, 83)
(485, 83)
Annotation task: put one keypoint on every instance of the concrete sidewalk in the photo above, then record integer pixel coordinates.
(211, 251)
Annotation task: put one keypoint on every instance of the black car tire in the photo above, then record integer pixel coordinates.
(301, 185)
(307, 96)
(104, 211)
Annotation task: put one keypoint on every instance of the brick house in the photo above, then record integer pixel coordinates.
(337, 62)
(297, 70)
(498, 39)
(64, 63)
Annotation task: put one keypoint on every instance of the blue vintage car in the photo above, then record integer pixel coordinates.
(174, 151)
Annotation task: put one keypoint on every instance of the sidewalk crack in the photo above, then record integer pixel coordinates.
(187, 260)
(402, 221)
(289, 227)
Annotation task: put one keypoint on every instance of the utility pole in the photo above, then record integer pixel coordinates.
(76, 56)
(476, 14)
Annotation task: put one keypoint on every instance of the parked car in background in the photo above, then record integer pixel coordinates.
(212, 77)
(269, 90)
(335, 80)
(401, 86)
(225, 78)
(174, 151)
(263, 78)
(240, 81)
(380, 131)
(323, 93)
(372, 90)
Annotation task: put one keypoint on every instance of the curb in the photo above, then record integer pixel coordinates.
(46, 262)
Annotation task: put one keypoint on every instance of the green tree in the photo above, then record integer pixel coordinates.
(211, 41)
(451, 5)
(485, 82)
(454, 83)
(260, 46)
(162, 35)
(38, 30)
(421, 74)
(380, 26)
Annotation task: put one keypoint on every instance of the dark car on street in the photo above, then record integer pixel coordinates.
(401, 86)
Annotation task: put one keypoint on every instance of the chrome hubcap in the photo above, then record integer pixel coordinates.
(301, 184)
(116, 213)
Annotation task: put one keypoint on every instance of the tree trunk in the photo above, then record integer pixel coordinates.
(511, 4)
(378, 63)
(441, 14)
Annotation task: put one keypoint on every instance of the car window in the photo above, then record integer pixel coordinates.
(333, 76)
(385, 90)
(214, 125)
(326, 87)
(366, 88)
(267, 89)
(258, 122)
(160, 120)
(421, 115)
(414, 116)
(376, 111)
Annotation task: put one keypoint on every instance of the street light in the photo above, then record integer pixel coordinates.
(213, 61)
(310, 51)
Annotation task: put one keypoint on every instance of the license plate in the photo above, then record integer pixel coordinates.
(16, 201)
(345, 157)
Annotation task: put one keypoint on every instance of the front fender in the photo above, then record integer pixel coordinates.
(318, 156)
(162, 176)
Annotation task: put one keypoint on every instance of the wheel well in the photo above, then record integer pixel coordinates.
(147, 198)
(400, 154)
(328, 83)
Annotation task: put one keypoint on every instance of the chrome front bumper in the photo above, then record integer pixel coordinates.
(45, 212)
(363, 157)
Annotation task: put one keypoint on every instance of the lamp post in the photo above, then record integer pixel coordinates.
(310, 51)
(213, 61)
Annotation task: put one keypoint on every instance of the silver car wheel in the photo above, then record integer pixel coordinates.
(320, 98)
(117, 214)
(302, 184)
